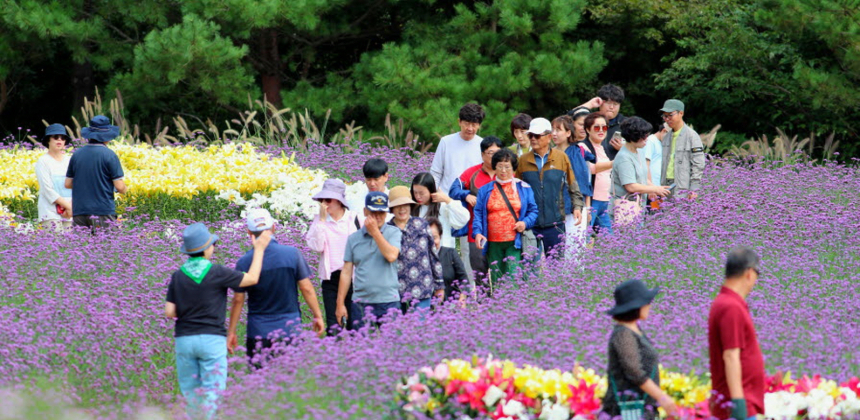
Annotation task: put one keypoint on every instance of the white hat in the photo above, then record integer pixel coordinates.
(540, 126)
(259, 220)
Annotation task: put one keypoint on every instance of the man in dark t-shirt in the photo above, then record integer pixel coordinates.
(197, 298)
(94, 174)
(273, 303)
(737, 365)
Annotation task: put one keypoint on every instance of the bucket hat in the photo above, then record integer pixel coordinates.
(399, 196)
(334, 189)
(630, 295)
(259, 220)
(100, 130)
(55, 130)
(196, 238)
(376, 201)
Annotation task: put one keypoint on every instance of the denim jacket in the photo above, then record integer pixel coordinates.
(580, 170)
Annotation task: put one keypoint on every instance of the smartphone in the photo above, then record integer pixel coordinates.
(343, 321)
(617, 135)
(672, 189)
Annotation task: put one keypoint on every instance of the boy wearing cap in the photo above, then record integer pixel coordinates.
(549, 173)
(371, 253)
(273, 303)
(94, 174)
(683, 152)
(55, 200)
(197, 298)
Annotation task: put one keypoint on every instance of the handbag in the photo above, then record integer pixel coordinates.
(529, 240)
(632, 409)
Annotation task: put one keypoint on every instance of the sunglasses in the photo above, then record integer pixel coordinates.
(536, 136)
(603, 128)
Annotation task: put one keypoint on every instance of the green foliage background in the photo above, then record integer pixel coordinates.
(750, 65)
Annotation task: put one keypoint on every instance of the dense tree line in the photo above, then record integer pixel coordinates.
(750, 65)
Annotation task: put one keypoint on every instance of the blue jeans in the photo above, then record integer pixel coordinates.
(201, 368)
(421, 306)
(375, 310)
(600, 218)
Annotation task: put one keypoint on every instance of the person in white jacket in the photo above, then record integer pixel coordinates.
(55, 200)
(433, 203)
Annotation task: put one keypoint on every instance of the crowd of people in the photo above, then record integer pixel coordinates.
(457, 231)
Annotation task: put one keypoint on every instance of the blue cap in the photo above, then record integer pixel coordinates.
(376, 201)
(196, 238)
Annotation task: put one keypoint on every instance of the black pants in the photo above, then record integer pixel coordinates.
(329, 290)
(478, 261)
(93, 222)
(550, 238)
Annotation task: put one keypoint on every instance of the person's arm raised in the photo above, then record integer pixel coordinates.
(253, 275)
(389, 252)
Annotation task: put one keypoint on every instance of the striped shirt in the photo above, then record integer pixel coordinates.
(329, 238)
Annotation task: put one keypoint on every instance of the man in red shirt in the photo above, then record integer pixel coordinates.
(465, 188)
(737, 365)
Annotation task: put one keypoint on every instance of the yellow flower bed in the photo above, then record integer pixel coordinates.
(181, 171)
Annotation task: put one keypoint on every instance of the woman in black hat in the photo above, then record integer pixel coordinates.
(633, 372)
(55, 200)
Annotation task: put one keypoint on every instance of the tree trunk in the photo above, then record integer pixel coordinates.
(83, 84)
(4, 95)
(270, 73)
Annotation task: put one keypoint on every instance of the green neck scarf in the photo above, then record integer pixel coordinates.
(196, 268)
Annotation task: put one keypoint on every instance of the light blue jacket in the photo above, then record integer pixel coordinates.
(528, 210)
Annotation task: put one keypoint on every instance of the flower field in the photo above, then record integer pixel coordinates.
(83, 332)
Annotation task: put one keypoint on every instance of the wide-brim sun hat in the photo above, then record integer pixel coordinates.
(632, 294)
(55, 130)
(334, 189)
(100, 130)
(399, 196)
(196, 238)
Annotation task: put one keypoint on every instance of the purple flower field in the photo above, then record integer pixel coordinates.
(82, 323)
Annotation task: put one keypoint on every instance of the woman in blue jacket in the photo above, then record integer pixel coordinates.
(505, 209)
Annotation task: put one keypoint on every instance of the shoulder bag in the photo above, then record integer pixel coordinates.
(529, 240)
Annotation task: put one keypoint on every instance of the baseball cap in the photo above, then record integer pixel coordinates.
(540, 126)
(673, 105)
(376, 201)
(259, 220)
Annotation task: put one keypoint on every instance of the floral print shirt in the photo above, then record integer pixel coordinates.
(418, 267)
